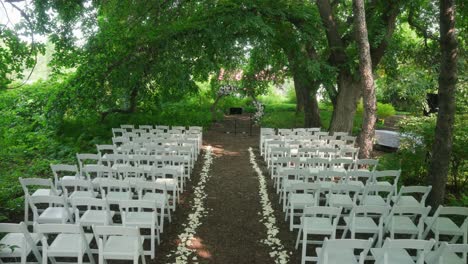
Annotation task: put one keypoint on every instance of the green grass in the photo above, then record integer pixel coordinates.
(284, 116)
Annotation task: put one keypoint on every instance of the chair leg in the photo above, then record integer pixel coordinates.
(152, 242)
(298, 237)
(304, 247)
(291, 217)
(26, 210)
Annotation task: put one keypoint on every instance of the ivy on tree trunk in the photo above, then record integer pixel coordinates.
(442, 147)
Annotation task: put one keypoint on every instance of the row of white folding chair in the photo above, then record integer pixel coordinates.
(399, 251)
(301, 156)
(162, 191)
(323, 221)
(328, 176)
(69, 240)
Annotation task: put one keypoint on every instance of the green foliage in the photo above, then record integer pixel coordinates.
(415, 151)
(383, 110)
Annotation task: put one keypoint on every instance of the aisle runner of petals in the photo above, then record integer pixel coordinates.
(184, 250)
(278, 253)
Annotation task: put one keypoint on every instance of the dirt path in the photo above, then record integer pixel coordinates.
(232, 231)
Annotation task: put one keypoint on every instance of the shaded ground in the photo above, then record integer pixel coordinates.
(232, 231)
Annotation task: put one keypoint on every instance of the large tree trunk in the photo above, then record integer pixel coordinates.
(299, 99)
(366, 138)
(306, 93)
(442, 147)
(346, 102)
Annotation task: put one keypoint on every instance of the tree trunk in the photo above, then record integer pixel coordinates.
(213, 108)
(346, 102)
(366, 138)
(307, 95)
(299, 99)
(442, 147)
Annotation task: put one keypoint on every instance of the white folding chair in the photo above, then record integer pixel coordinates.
(64, 172)
(127, 127)
(170, 177)
(376, 194)
(18, 242)
(395, 251)
(300, 196)
(441, 223)
(103, 150)
(115, 191)
(287, 177)
(70, 241)
(96, 172)
(328, 178)
(142, 214)
(407, 220)
(448, 254)
(341, 164)
(317, 220)
(57, 210)
(92, 211)
(406, 196)
(36, 187)
(337, 251)
(359, 178)
(73, 188)
(387, 177)
(156, 192)
(366, 220)
(343, 195)
(366, 165)
(120, 243)
(87, 158)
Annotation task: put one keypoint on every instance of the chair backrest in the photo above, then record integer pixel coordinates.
(125, 172)
(127, 127)
(26, 183)
(386, 191)
(20, 228)
(449, 252)
(87, 158)
(116, 132)
(363, 176)
(150, 186)
(58, 228)
(93, 171)
(105, 149)
(422, 246)
(68, 170)
(423, 192)
(77, 185)
(386, 175)
(330, 175)
(341, 163)
(324, 211)
(365, 210)
(344, 188)
(113, 185)
(333, 245)
(369, 164)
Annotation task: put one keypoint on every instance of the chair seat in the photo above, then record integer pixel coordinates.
(373, 200)
(66, 245)
(115, 197)
(445, 226)
(120, 247)
(394, 256)
(17, 239)
(45, 192)
(139, 219)
(170, 183)
(95, 217)
(317, 225)
(301, 199)
(402, 225)
(82, 194)
(55, 215)
(337, 200)
(449, 257)
(326, 185)
(339, 256)
(406, 201)
(362, 225)
(356, 183)
(160, 198)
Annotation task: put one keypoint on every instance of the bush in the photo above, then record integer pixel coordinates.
(415, 151)
(383, 110)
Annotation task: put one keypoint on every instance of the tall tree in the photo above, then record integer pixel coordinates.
(336, 19)
(367, 81)
(442, 148)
